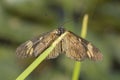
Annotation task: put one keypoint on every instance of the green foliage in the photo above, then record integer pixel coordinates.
(77, 66)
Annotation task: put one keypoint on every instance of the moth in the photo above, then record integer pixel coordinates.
(71, 45)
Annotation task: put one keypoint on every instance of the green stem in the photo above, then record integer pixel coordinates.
(30, 68)
(77, 65)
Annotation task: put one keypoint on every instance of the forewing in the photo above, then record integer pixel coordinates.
(37, 45)
(73, 48)
(93, 53)
(78, 48)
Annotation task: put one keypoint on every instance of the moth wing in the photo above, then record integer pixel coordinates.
(93, 53)
(73, 48)
(78, 48)
(56, 51)
(37, 45)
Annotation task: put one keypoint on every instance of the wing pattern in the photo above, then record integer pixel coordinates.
(72, 45)
(37, 45)
(78, 48)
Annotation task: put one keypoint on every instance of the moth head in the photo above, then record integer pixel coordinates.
(60, 31)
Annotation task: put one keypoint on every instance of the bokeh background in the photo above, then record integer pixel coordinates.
(21, 20)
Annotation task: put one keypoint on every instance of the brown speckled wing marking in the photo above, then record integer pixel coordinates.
(56, 51)
(73, 47)
(37, 45)
(78, 48)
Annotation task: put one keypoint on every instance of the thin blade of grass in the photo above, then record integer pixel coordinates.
(39, 59)
(77, 65)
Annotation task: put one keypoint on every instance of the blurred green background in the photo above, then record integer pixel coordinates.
(20, 20)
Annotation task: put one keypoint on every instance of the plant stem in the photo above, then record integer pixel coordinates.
(77, 65)
(30, 68)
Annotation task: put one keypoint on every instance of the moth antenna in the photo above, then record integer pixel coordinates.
(67, 21)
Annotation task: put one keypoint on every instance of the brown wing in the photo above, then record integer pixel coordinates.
(56, 51)
(78, 48)
(37, 45)
(73, 48)
(93, 52)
